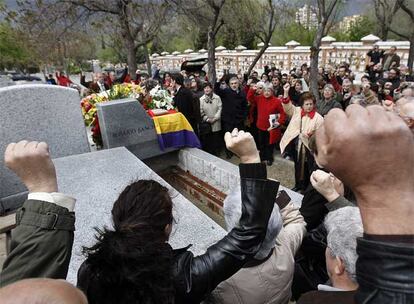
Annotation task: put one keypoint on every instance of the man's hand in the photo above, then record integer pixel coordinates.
(32, 164)
(242, 144)
(372, 151)
(324, 183)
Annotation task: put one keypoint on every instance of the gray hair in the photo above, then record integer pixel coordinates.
(359, 99)
(232, 214)
(267, 86)
(344, 226)
(329, 86)
(234, 78)
(260, 83)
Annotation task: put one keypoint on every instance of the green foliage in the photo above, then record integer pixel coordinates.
(242, 20)
(340, 35)
(108, 55)
(14, 53)
(361, 28)
(293, 31)
(201, 40)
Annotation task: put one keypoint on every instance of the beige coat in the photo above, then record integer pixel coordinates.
(211, 110)
(309, 126)
(269, 282)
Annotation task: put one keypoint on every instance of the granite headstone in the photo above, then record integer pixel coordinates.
(43, 113)
(125, 123)
(96, 187)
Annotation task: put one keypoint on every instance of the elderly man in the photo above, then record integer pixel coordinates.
(407, 89)
(268, 278)
(234, 110)
(345, 93)
(391, 59)
(407, 114)
(343, 226)
(41, 291)
(97, 85)
(384, 195)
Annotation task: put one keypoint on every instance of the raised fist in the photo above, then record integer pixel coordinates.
(324, 183)
(372, 151)
(242, 144)
(32, 164)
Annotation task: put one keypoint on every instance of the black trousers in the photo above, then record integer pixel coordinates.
(212, 142)
(265, 149)
(304, 165)
(228, 127)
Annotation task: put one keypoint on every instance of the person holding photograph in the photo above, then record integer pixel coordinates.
(269, 133)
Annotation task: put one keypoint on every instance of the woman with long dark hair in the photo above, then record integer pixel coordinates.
(133, 262)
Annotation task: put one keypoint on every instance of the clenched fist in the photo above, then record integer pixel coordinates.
(325, 184)
(32, 164)
(242, 144)
(372, 151)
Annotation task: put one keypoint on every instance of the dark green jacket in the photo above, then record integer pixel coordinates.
(41, 243)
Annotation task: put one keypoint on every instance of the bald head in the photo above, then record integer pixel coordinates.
(41, 291)
(407, 113)
(404, 100)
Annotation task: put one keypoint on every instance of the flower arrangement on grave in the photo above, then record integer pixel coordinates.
(160, 99)
(88, 105)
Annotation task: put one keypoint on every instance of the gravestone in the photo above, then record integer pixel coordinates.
(125, 123)
(43, 113)
(96, 179)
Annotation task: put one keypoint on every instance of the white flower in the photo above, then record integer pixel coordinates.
(155, 90)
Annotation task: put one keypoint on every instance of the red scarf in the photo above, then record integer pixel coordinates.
(311, 114)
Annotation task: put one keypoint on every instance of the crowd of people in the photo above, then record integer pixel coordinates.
(278, 108)
(351, 240)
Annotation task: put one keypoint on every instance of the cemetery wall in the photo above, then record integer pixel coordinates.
(289, 56)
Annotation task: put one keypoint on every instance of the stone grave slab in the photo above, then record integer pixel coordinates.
(217, 172)
(97, 178)
(125, 122)
(5, 81)
(43, 113)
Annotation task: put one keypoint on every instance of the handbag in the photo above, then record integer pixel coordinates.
(204, 128)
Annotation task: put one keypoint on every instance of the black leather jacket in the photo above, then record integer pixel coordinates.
(385, 272)
(195, 277)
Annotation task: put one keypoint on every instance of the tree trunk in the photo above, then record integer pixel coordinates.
(411, 54)
(147, 59)
(384, 32)
(257, 58)
(131, 51)
(211, 63)
(314, 62)
(129, 45)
